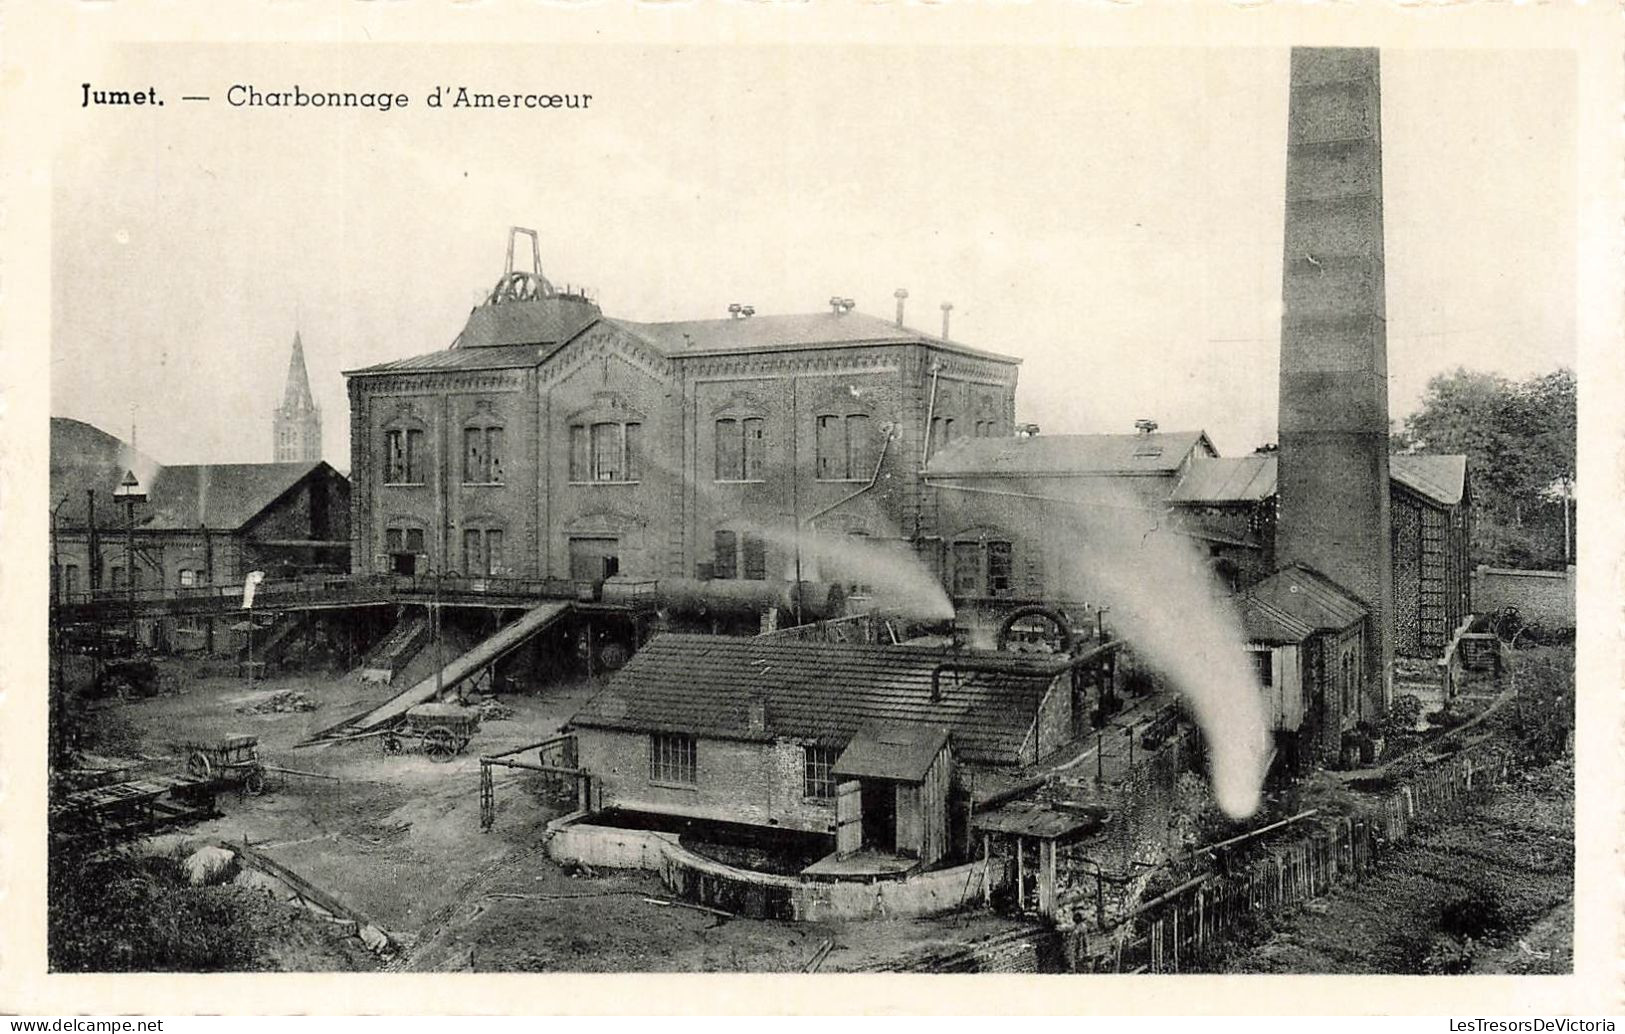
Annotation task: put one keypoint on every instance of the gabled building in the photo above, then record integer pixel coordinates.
(199, 524)
(869, 745)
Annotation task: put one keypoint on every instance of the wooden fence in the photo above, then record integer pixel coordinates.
(1178, 932)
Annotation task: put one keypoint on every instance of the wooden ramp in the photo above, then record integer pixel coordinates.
(487, 652)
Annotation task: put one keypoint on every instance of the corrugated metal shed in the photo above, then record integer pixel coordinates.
(823, 692)
(1295, 602)
(1440, 478)
(1227, 480)
(1068, 454)
(898, 751)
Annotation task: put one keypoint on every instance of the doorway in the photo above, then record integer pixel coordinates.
(594, 559)
(880, 815)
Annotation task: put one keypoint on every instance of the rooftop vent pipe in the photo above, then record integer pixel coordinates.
(741, 312)
(1145, 426)
(901, 294)
(840, 306)
(947, 307)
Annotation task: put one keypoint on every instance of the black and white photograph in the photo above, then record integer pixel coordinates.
(755, 508)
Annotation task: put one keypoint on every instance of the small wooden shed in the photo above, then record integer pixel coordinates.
(891, 794)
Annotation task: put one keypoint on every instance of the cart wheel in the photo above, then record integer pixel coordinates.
(392, 744)
(255, 783)
(198, 764)
(440, 744)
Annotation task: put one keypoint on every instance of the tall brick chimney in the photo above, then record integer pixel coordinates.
(1333, 466)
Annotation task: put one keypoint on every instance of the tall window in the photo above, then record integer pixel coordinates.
(983, 568)
(818, 778)
(605, 451)
(482, 455)
(740, 445)
(998, 568)
(727, 552)
(843, 448)
(70, 579)
(482, 551)
(942, 432)
(739, 556)
(753, 555)
(404, 457)
(672, 759)
(117, 577)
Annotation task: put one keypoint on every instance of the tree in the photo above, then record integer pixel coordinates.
(1519, 438)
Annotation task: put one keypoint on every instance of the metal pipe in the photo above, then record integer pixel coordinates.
(873, 480)
(930, 410)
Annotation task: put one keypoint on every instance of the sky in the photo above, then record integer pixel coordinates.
(1112, 217)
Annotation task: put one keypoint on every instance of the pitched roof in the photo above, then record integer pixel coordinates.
(1246, 479)
(86, 457)
(787, 332)
(1295, 602)
(498, 357)
(1160, 452)
(1227, 480)
(222, 496)
(824, 692)
(542, 321)
(1440, 478)
(899, 751)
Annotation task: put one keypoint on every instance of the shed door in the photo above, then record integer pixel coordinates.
(848, 817)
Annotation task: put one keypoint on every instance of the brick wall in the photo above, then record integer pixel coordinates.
(1542, 597)
(748, 782)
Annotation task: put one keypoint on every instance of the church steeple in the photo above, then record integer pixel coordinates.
(297, 424)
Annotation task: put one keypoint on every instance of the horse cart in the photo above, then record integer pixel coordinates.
(442, 731)
(233, 761)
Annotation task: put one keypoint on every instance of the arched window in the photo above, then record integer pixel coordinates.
(482, 455)
(844, 447)
(605, 451)
(740, 444)
(482, 551)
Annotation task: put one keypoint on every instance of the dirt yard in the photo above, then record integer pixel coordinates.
(397, 838)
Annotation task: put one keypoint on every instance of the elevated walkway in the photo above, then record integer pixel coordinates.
(488, 652)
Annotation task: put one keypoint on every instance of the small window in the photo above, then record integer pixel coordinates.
(754, 557)
(393, 541)
(414, 540)
(818, 779)
(726, 563)
(188, 578)
(117, 578)
(1263, 667)
(672, 759)
(70, 579)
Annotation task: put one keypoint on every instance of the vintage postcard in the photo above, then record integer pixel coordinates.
(739, 497)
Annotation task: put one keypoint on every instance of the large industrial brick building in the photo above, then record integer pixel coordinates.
(552, 441)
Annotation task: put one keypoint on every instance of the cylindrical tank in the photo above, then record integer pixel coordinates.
(730, 597)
